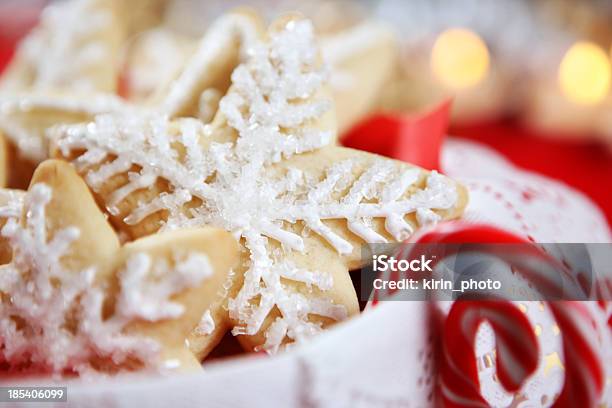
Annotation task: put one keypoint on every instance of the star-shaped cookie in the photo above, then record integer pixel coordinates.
(266, 170)
(64, 71)
(75, 300)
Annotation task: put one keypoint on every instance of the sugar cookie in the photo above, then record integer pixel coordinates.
(266, 170)
(74, 300)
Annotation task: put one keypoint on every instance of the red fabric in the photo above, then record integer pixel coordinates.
(584, 166)
(412, 138)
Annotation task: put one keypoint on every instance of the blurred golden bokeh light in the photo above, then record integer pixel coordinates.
(459, 58)
(584, 73)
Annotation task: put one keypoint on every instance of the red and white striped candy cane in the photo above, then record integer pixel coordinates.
(516, 344)
(459, 386)
(584, 373)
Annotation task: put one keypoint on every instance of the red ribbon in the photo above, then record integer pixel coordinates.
(416, 139)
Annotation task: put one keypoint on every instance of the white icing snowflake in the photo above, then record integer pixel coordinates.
(147, 286)
(239, 185)
(51, 317)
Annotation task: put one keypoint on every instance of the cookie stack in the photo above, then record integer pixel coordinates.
(214, 201)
